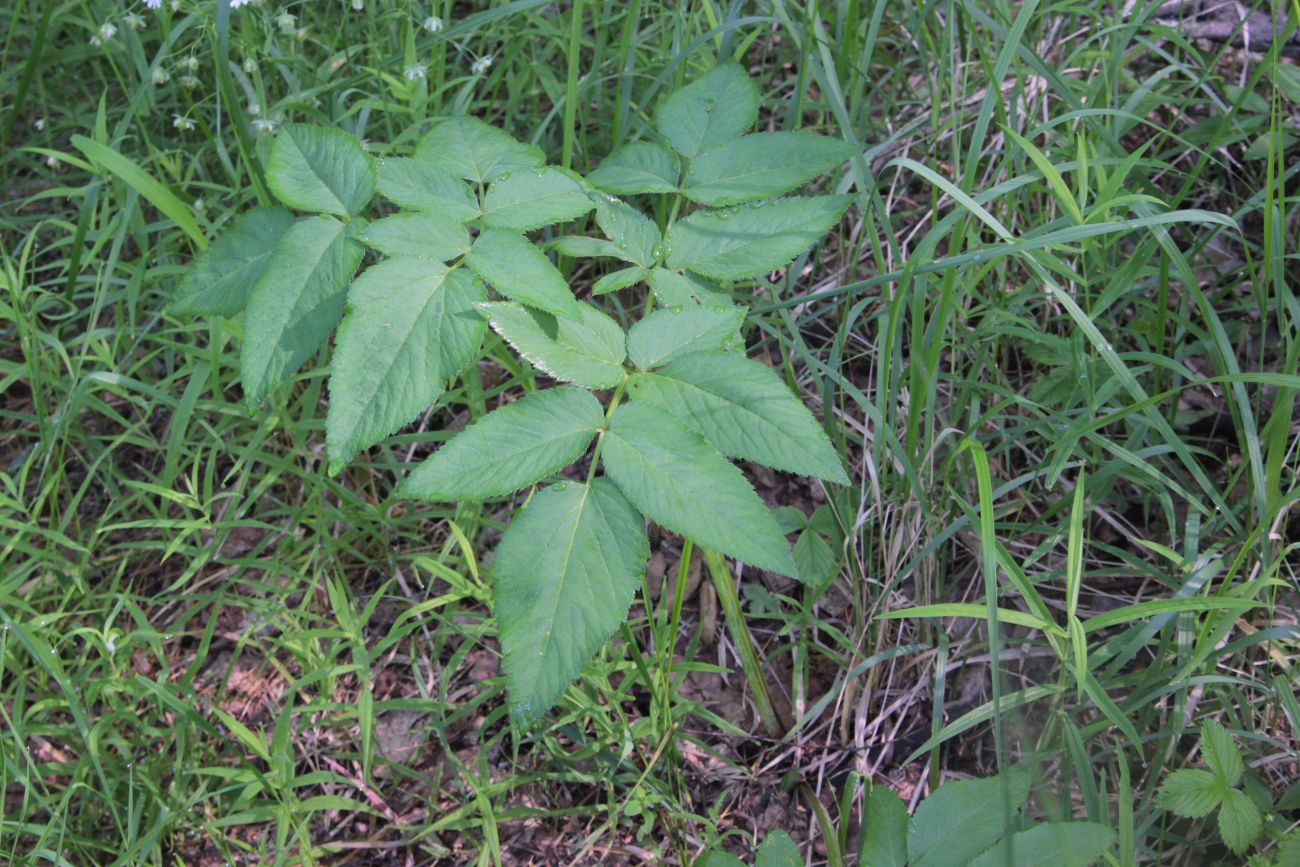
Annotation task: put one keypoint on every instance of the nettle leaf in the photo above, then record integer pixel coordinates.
(588, 352)
(563, 579)
(751, 240)
(815, 558)
(1062, 844)
(666, 334)
(1191, 793)
(778, 850)
(317, 168)
(640, 167)
(411, 327)
(518, 270)
(297, 301)
(530, 199)
(715, 108)
(476, 151)
(762, 165)
(1239, 821)
(418, 185)
(429, 235)
(744, 410)
(682, 483)
(961, 819)
(674, 289)
(633, 233)
(218, 281)
(883, 841)
(617, 280)
(510, 448)
(1221, 753)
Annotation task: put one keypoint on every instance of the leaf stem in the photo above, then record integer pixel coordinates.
(600, 437)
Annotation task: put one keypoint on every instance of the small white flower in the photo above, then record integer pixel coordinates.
(190, 63)
(358, 5)
(235, 4)
(153, 4)
(95, 42)
(161, 76)
(482, 65)
(107, 31)
(250, 66)
(301, 34)
(176, 5)
(254, 109)
(433, 24)
(134, 21)
(286, 22)
(51, 162)
(40, 124)
(189, 82)
(182, 123)
(414, 72)
(260, 126)
(199, 205)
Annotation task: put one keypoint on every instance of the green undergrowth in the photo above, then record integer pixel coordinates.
(1053, 342)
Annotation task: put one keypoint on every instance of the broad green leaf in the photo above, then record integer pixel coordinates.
(509, 448)
(673, 289)
(583, 247)
(296, 302)
(217, 283)
(634, 234)
(411, 327)
(778, 850)
(751, 240)
(666, 334)
(961, 819)
(1064, 844)
(1239, 821)
(619, 280)
(418, 185)
(717, 107)
(762, 165)
(1221, 753)
(640, 167)
(1191, 793)
(317, 168)
(680, 482)
(532, 198)
(588, 352)
(468, 148)
(744, 410)
(815, 558)
(428, 235)
(718, 859)
(518, 270)
(564, 576)
(883, 840)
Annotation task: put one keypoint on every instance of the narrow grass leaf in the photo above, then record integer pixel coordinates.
(154, 191)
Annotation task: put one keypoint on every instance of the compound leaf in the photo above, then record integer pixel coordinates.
(518, 270)
(564, 576)
(1061, 844)
(429, 235)
(529, 199)
(296, 302)
(410, 328)
(717, 107)
(217, 283)
(476, 151)
(679, 481)
(666, 334)
(762, 165)
(751, 240)
(418, 185)
(640, 167)
(588, 352)
(317, 168)
(509, 448)
(744, 410)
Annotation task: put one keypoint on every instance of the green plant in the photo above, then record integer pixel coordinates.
(568, 565)
(973, 822)
(776, 850)
(1240, 798)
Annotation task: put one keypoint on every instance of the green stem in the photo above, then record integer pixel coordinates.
(749, 661)
(600, 437)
